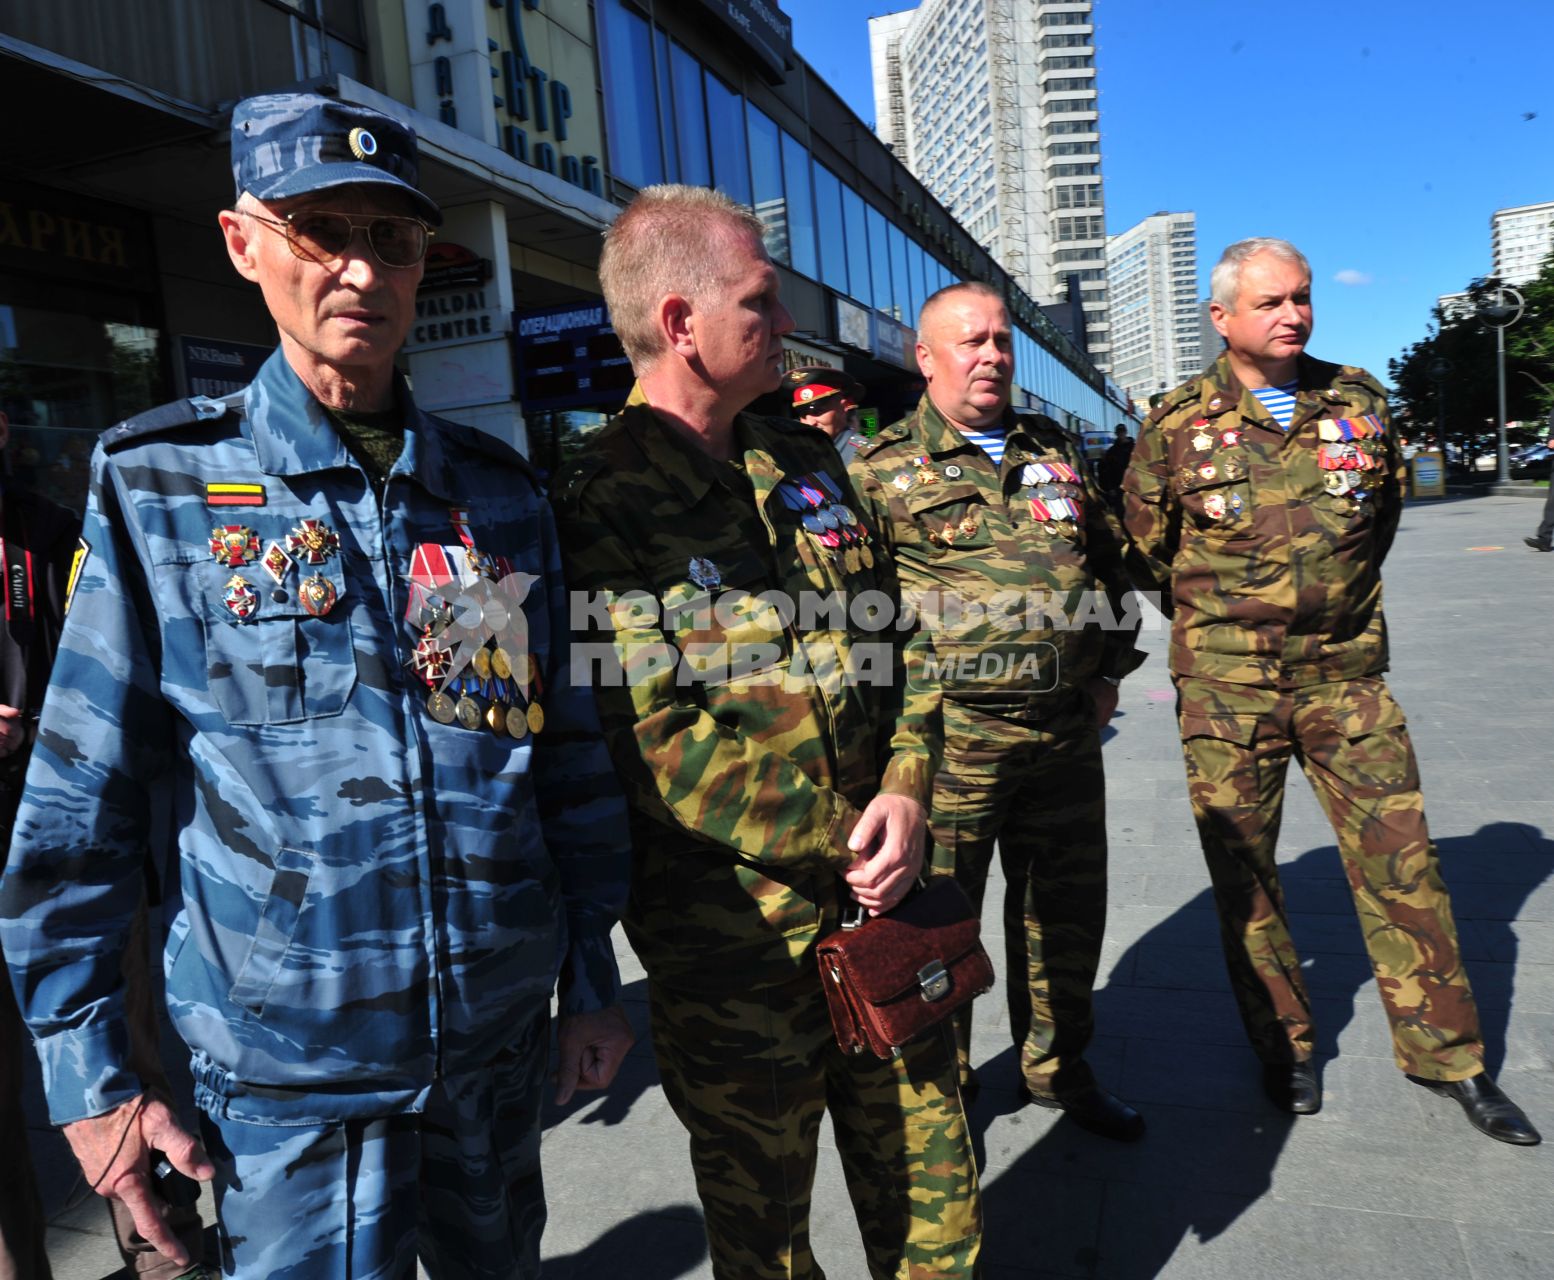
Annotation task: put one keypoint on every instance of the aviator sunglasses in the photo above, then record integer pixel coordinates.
(322, 236)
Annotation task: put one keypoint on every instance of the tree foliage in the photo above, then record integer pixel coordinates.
(1465, 399)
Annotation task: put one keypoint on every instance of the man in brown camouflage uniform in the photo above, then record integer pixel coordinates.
(1016, 565)
(773, 751)
(1262, 498)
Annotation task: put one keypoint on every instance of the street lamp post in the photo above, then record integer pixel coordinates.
(1501, 309)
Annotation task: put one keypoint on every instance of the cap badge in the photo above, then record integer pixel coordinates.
(704, 573)
(806, 393)
(363, 145)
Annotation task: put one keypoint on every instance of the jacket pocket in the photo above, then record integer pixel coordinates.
(274, 661)
(951, 518)
(273, 934)
(726, 624)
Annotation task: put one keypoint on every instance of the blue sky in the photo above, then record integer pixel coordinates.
(1378, 135)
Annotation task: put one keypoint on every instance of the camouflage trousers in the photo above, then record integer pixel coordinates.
(22, 1226)
(1354, 747)
(751, 1075)
(1038, 791)
(356, 1199)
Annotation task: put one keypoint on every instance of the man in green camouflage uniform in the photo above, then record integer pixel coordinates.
(773, 752)
(1262, 497)
(1015, 563)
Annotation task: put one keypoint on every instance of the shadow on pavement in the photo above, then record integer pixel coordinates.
(662, 1245)
(1072, 1204)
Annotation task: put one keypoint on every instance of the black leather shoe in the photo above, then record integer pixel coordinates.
(1096, 1110)
(1487, 1108)
(1538, 544)
(1293, 1087)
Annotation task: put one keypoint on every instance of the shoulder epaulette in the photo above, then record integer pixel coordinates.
(1174, 400)
(893, 434)
(574, 476)
(166, 417)
(1353, 373)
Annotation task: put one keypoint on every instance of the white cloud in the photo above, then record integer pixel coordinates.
(1350, 276)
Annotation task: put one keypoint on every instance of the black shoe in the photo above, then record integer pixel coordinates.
(1293, 1087)
(1094, 1109)
(1488, 1109)
(970, 1087)
(1538, 544)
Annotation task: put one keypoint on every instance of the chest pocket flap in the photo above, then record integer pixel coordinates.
(722, 613)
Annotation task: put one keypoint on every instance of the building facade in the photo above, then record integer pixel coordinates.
(993, 105)
(1521, 240)
(538, 120)
(1156, 314)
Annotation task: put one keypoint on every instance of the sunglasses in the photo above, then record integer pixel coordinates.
(322, 236)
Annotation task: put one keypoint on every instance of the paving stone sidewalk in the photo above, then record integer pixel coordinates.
(1387, 1180)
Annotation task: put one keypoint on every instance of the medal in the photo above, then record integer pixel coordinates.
(240, 599)
(851, 560)
(317, 594)
(431, 663)
(276, 562)
(517, 724)
(1202, 441)
(440, 707)
(536, 718)
(501, 664)
(968, 525)
(1229, 438)
(704, 573)
(866, 556)
(234, 545)
(1208, 471)
(480, 663)
(902, 481)
(811, 523)
(1235, 503)
(948, 534)
(1234, 468)
(313, 541)
(952, 472)
(1214, 506)
(469, 712)
(496, 718)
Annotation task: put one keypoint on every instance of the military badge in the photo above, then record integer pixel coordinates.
(440, 707)
(312, 540)
(362, 143)
(1208, 471)
(234, 545)
(234, 495)
(952, 472)
(704, 573)
(240, 599)
(968, 525)
(317, 594)
(1236, 503)
(1214, 506)
(536, 718)
(276, 562)
(902, 482)
(431, 663)
(1202, 441)
(1234, 468)
(1229, 438)
(924, 471)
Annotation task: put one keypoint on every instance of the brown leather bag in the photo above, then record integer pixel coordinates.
(892, 977)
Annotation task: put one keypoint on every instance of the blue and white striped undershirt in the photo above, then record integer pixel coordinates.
(1279, 401)
(990, 442)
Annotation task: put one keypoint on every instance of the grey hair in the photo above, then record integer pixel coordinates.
(1225, 280)
(671, 239)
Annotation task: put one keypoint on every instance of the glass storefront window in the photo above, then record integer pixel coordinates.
(766, 181)
(915, 257)
(730, 154)
(879, 260)
(862, 286)
(801, 208)
(902, 308)
(690, 119)
(630, 102)
(669, 141)
(828, 222)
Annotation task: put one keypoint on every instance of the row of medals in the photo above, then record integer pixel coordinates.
(924, 474)
(492, 704)
(832, 525)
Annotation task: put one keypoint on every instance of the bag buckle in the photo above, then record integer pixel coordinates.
(934, 980)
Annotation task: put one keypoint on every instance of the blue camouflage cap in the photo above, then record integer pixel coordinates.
(288, 144)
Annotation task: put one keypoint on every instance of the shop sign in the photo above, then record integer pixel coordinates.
(52, 233)
(214, 367)
(764, 28)
(570, 358)
(854, 325)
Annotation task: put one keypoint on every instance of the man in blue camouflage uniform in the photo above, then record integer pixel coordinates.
(320, 637)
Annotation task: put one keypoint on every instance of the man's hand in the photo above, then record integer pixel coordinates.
(592, 1048)
(1104, 692)
(13, 729)
(112, 1150)
(888, 840)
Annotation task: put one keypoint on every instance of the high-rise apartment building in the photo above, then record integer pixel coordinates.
(1521, 240)
(992, 105)
(1156, 316)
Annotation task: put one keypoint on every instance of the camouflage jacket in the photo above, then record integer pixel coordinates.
(1267, 544)
(752, 705)
(365, 897)
(1016, 569)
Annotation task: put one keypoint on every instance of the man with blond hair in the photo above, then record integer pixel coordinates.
(1262, 498)
(771, 766)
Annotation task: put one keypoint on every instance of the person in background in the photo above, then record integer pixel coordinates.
(827, 399)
